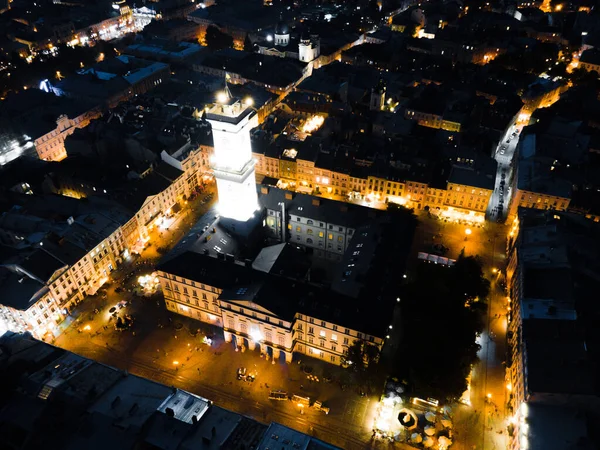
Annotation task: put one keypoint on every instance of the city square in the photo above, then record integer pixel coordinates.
(299, 225)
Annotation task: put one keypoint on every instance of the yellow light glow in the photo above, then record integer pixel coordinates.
(489, 395)
(468, 231)
(313, 124)
(222, 97)
(249, 101)
(175, 363)
(87, 328)
(509, 387)
(494, 270)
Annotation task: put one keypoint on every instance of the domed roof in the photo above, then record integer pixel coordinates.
(282, 27)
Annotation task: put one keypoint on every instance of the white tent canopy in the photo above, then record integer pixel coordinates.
(416, 438)
(447, 423)
(444, 442)
(429, 430)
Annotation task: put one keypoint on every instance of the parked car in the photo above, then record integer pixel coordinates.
(278, 395)
(241, 373)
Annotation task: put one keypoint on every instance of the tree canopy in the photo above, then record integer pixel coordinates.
(443, 309)
(360, 355)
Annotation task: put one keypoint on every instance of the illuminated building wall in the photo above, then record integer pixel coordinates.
(468, 197)
(51, 146)
(191, 299)
(536, 200)
(232, 164)
(435, 198)
(325, 340)
(322, 236)
(252, 326)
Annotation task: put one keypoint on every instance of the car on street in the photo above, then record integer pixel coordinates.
(502, 152)
(278, 395)
(503, 147)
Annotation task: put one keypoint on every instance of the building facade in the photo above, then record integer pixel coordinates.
(455, 198)
(251, 326)
(51, 146)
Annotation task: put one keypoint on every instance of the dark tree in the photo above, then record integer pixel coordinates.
(582, 77)
(360, 356)
(444, 309)
(216, 39)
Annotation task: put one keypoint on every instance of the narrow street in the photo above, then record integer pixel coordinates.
(504, 154)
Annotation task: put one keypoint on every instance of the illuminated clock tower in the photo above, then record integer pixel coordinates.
(232, 163)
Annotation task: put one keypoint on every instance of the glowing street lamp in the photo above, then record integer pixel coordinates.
(467, 233)
(256, 335)
(175, 363)
(222, 97)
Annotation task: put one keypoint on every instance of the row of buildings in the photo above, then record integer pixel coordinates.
(45, 120)
(295, 148)
(62, 400)
(551, 272)
(61, 243)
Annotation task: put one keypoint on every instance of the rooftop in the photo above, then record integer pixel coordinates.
(535, 176)
(557, 428)
(482, 175)
(131, 401)
(281, 437)
(556, 358)
(185, 407)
